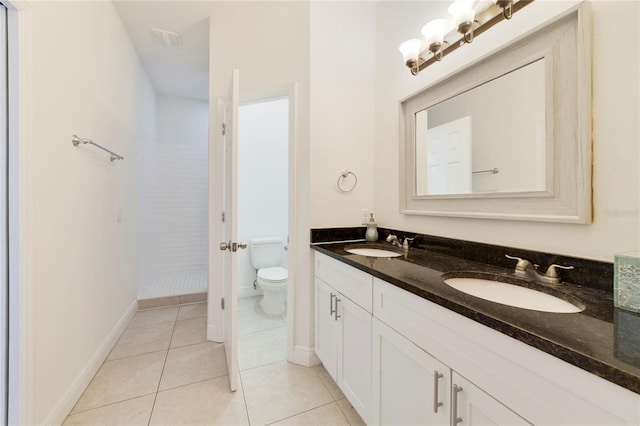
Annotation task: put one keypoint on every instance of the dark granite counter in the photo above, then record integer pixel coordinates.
(600, 339)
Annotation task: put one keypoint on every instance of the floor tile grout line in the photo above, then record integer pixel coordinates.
(324, 384)
(342, 411)
(169, 306)
(306, 411)
(193, 344)
(192, 383)
(264, 365)
(155, 398)
(106, 361)
(73, 413)
(135, 355)
(244, 396)
(258, 331)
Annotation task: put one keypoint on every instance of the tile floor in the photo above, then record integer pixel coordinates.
(163, 371)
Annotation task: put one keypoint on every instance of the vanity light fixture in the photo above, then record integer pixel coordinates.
(410, 50)
(470, 18)
(433, 33)
(464, 14)
(507, 7)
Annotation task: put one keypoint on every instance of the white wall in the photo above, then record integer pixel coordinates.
(269, 43)
(263, 181)
(83, 77)
(342, 110)
(172, 199)
(616, 133)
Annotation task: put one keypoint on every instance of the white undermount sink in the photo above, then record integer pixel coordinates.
(373, 252)
(512, 295)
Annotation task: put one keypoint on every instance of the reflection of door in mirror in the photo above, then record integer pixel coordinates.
(504, 151)
(447, 151)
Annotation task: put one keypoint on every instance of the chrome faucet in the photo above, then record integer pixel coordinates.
(526, 269)
(396, 242)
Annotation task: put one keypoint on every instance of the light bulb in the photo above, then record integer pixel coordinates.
(462, 11)
(434, 31)
(411, 49)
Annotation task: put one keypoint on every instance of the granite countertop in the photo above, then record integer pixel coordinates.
(601, 339)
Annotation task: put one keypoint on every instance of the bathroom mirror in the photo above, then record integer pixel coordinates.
(507, 138)
(487, 139)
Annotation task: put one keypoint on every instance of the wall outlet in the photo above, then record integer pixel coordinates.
(364, 216)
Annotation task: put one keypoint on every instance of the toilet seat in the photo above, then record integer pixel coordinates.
(273, 275)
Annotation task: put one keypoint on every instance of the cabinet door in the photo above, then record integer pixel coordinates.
(354, 355)
(472, 406)
(410, 387)
(326, 327)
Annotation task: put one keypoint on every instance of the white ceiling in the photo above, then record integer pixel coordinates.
(173, 70)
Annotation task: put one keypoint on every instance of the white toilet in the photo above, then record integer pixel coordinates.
(266, 258)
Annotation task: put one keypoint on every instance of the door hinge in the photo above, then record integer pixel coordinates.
(222, 217)
(222, 303)
(224, 129)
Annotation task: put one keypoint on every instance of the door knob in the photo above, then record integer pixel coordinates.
(236, 246)
(232, 247)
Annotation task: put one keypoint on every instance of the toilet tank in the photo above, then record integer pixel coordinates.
(266, 252)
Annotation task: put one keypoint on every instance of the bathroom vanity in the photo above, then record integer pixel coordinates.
(406, 348)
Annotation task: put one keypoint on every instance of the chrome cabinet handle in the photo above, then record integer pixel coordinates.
(454, 405)
(436, 375)
(335, 312)
(331, 304)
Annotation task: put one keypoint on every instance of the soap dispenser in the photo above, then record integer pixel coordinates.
(372, 230)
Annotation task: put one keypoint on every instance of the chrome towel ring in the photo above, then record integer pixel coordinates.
(343, 176)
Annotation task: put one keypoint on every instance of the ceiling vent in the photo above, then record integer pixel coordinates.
(166, 37)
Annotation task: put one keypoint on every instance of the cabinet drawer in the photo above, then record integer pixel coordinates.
(351, 282)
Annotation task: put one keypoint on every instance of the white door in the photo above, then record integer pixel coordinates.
(449, 158)
(229, 245)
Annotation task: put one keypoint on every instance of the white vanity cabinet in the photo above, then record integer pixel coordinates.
(471, 406)
(410, 387)
(343, 297)
(504, 381)
(397, 357)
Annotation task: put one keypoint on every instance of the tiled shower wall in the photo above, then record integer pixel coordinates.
(173, 204)
(182, 208)
(146, 220)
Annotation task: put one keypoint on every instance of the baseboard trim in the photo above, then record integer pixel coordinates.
(74, 392)
(305, 356)
(248, 292)
(179, 299)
